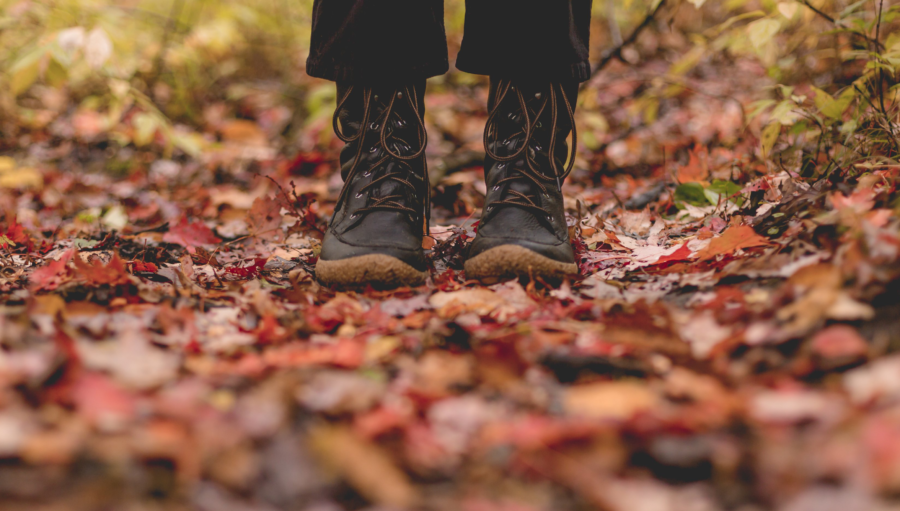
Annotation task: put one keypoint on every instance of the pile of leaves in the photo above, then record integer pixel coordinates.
(731, 342)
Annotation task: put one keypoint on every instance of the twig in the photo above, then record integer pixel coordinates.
(839, 24)
(884, 112)
(616, 53)
(301, 217)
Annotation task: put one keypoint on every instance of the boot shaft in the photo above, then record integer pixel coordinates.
(383, 161)
(528, 157)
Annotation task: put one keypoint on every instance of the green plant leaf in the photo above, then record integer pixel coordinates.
(711, 196)
(691, 193)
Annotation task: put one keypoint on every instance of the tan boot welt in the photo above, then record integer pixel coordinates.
(379, 270)
(508, 261)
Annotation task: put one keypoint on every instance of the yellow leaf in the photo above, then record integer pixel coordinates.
(784, 112)
(23, 177)
(762, 31)
(769, 136)
(145, 126)
(688, 61)
(25, 71)
(828, 105)
(56, 74)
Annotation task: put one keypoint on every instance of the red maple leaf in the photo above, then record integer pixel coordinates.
(191, 235)
(247, 272)
(52, 275)
(683, 253)
(15, 232)
(141, 266)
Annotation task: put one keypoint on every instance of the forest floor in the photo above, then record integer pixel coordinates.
(729, 343)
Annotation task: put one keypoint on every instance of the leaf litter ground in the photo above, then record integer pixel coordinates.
(730, 343)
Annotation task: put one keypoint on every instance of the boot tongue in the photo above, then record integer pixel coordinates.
(522, 185)
(388, 187)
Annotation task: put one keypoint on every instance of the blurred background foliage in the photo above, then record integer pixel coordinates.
(141, 72)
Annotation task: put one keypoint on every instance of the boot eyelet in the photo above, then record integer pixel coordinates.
(373, 149)
(538, 125)
(496, 187)
(510, 115)
(550, 219)
(400, 94)
(401, 123)
(501, 165)
(376, 97)
(537, 147)
(537, 95)
(354, 216)
(373, 126)
(367, 173)
(359, 195)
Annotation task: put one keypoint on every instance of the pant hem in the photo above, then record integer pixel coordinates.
(579, 71)
(330, 70)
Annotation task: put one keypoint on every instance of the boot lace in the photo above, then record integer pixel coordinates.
(402, 167)
(530, 171)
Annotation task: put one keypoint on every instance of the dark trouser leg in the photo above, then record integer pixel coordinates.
(376, 41)
(546, 39)
(536, 52)
(379, 52)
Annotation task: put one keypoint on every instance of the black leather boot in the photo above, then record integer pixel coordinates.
(523, 229)
(375, 234)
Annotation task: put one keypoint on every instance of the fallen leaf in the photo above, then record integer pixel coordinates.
(618, 400)
(839, 342)
(191, 235)
(364, 466)
(52, 275)
(97, 273)
(264, 219)
(734, 238)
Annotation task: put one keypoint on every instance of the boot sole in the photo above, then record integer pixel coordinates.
(510, 261)
(377, 270)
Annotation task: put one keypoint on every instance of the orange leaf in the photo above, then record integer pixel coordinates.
(99, 274)
(739, 236)
(697, 169)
